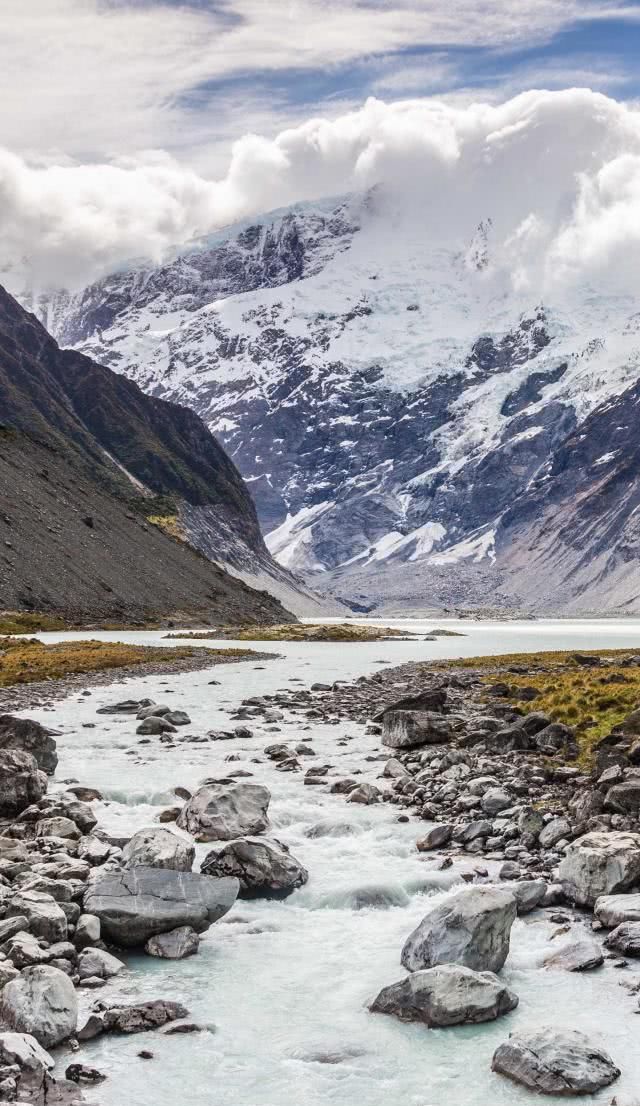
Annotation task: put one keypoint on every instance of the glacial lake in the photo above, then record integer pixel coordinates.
(283, 987)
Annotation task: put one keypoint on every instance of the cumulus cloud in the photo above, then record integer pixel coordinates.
(557, 172)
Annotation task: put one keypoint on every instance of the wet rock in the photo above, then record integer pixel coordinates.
(159, 848)
(435, 837)
(222, 813)
(81, 1073)
(555, 1061)
(446, 995)
(138, 903)
(580, 955)
(403, 729)
(85, 794)
(472, 928)
(264, 867)
(178, 944)
(152, 726)
(365, 793)
(127, 706)
(21, 782)
(136, 1018)
(613, 910)
(625, 939)
(600, 863)
(27, 736)
(41, 1001)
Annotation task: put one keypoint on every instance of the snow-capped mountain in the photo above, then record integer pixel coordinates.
(389, 397)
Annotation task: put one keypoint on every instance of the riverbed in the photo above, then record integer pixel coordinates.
(282, 987)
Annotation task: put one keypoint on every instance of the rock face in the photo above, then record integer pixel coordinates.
(21, 782)
(28, 736)
(472, 928)
(405, 729)
(42, 1001)
(220, 812)
(264, 868)
(159, 848)
(139, 903)
(600, 863)
(446, 995)
(175, 945)
(555, 1061)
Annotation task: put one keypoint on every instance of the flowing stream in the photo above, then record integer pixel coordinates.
(283, 987)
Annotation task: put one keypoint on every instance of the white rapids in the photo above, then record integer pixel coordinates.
(282, 987)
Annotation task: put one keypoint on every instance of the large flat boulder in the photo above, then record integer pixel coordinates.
(600, 863)
(42, 1001)
(612, 910)
(22, 783)
(431, 699)
(446, 995)
(471, 928)
(264, 867)
(555, 1061)
(28, 736)
(138, 903)
(222, 812)
(159, 848)
(406, 729)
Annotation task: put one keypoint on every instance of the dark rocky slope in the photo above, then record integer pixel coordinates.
(84, 457)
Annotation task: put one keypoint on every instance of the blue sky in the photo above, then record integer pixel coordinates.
(96, 80)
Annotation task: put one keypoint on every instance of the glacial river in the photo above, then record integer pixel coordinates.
(283, 987)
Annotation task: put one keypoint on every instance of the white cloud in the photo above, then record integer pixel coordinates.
(95, 79)
(558, 172)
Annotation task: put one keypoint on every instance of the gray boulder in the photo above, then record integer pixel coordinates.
(625, 939)
(263, 867)
(42, 1001)
(45, 916)
(175, 945)
(222, 812)
(446, 995)
(159, 848)
(28, 736)
(579, 955)
(529, 894)
(21, 782)
(96, 963)
(154, 726)
(555, 1061)
(553, 832)
(405, 729)
(600, 863)
(624, 798)
(87, 932)
(612, 910)
(138, 903)
(32, 1067)
(436, 836)
(471, 928)
(138, 1018)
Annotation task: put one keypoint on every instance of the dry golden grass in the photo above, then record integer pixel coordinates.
(26, 622)
(24, 661)
(592, 700)
(297, 632)
(170, 524)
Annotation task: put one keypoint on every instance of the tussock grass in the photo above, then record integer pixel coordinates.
(591, 700)
(297, 632)
(24, 661)
(25, 622)
(170, 524)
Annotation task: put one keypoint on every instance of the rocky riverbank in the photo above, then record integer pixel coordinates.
(498, 803)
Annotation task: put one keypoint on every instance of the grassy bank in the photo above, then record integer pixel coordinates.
(590, 699)
(297, 632)
(30, 661)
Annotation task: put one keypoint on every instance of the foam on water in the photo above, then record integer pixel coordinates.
(284, 986)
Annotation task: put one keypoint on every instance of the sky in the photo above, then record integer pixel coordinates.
(131, 126)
